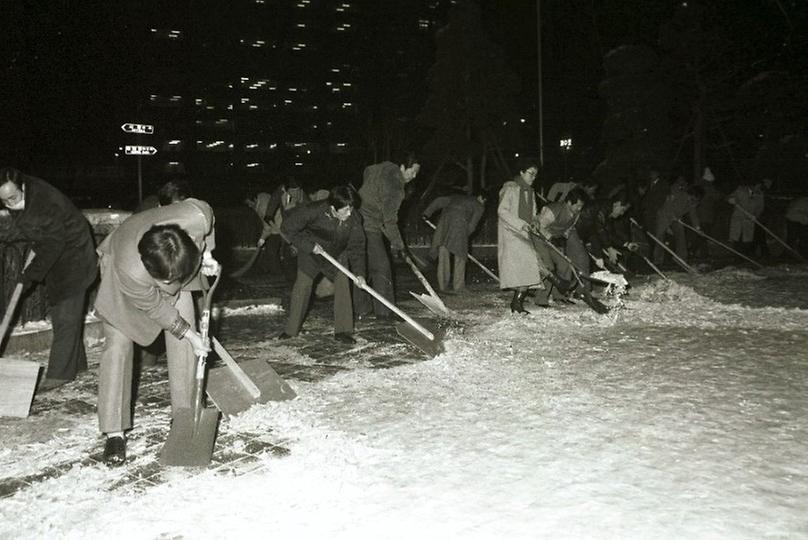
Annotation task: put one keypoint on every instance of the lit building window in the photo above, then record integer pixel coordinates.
(251, 146)
(245, 100)
(346, 105)
(335, 70)
(346, 84)
(253, 107)
(253, 165)
(287, 101)
(423, 24)
(301, 25)
(174, 141)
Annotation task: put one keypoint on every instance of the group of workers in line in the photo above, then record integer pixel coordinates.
(152, 264)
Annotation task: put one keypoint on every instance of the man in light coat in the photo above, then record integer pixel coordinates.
(149, 266)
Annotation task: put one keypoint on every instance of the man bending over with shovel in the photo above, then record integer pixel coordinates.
(557, 225)
(149, 266)
(329, 226)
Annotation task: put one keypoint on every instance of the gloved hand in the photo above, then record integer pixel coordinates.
(612, 253)
(27, 283)
(599, 263)
(360, 282)
(210, 266)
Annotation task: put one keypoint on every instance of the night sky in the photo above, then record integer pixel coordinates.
(71, 69)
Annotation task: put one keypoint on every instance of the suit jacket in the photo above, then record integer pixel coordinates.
(128, 297)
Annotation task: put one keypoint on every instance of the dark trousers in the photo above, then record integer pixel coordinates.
(553, 262)
(380, 274)
(67, 355)
(299, 303)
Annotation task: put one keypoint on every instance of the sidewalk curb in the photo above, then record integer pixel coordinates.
(19, 344)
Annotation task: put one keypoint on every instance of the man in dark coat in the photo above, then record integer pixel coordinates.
(65, 260)
(607, 230)
(382, 193)
(329, 226)
(458, 219)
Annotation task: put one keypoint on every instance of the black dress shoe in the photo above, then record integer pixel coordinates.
(282, 336)
(115, 451)
(344, 337)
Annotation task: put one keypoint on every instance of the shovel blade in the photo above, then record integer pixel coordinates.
(593, 302)
(435, 305)
(230, 396)
(190, 443)
(432, 347)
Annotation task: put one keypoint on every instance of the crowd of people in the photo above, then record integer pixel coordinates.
(152, 266)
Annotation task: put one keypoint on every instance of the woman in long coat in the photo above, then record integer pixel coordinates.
(518, 263)
(138, 299)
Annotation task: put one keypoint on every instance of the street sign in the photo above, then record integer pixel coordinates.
(137, 150)
(143, 129)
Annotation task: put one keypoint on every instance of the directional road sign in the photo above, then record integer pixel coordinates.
(136, 150)
(144, 129)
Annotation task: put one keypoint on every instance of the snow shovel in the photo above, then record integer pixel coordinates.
(235, 387)
(470, 257)
(193, 431)
(430, 341)
(432, 302)
(585, 294)
(17, 377)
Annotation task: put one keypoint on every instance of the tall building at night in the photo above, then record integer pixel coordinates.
(246, 94)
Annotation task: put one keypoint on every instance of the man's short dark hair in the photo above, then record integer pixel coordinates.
(342, 196)
(526, 162)
(173, 191)
(577, 194)
(168, 253)
(10, 174)
(408, 159)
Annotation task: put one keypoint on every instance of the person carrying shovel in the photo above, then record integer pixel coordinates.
(329, 226)
(149, 266)
(65, 260)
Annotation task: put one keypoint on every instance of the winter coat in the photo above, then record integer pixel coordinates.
(518, 262)
(741, 226)
(60, 236)
(651, 202)
(312, 224)
(382, 193)
(675, 207)
(128, 297)
(458, 219)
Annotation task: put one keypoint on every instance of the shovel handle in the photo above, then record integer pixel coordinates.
(412, 322)
(661, 244)
(236, 370)
(13, 301)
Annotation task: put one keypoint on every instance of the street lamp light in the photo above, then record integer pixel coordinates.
(566, 146)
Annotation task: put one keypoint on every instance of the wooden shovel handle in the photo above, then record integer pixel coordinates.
(427, 334)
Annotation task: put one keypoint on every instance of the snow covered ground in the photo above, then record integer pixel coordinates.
(684, 414)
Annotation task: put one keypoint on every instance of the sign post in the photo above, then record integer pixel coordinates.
(139, 151)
